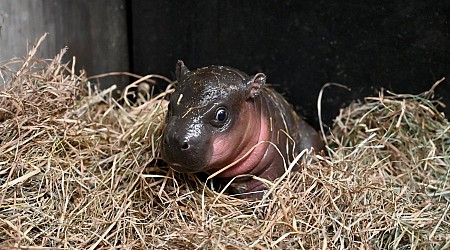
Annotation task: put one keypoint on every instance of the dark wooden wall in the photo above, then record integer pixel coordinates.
(94, 31)
(399, 45)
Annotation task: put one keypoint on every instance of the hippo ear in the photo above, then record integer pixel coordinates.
(255, 85)
(181, 70)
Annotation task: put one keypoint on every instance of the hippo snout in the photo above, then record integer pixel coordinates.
(184, 150)
(178, 142)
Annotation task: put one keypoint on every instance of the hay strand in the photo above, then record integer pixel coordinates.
(78, 169)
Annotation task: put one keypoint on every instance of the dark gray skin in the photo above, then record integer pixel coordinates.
(218, 114)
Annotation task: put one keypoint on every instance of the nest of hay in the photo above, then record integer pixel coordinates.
(80, 170)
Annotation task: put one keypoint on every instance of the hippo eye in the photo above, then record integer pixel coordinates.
(220, 117)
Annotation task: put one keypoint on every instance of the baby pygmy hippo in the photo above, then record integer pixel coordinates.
(218, 115)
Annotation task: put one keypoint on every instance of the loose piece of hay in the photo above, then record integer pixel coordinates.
(80, 170)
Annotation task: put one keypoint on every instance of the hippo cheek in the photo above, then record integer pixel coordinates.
(183, 153)
(243, 149)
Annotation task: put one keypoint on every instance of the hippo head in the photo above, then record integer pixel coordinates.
(209, 119)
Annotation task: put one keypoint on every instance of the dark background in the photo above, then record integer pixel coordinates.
(402, 46)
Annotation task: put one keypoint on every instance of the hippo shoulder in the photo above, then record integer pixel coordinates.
(301, 132)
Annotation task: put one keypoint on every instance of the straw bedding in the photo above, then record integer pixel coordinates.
(79, 169)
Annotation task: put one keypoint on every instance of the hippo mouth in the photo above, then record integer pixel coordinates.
(184, 161)
(179, 168)
(183, 169)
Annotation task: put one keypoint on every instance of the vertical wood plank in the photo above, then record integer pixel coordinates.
(94, 31)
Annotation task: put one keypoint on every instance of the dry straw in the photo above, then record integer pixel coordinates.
(79, 170)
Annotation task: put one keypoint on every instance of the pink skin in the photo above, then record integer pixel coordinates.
(232, 146)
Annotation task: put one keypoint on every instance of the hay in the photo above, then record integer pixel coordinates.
(80, 170)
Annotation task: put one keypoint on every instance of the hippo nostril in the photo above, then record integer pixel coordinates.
(185, 146)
